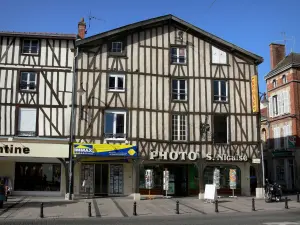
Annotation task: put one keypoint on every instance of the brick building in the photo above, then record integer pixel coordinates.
(281, 128)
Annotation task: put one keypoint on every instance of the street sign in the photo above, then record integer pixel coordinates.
(256, 161)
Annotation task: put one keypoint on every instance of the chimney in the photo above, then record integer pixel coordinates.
(277, 53)
(81, 28)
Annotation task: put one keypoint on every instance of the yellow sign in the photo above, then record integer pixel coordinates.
(104, 150)
(255, 98)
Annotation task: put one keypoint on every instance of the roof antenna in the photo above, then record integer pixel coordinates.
(90, 18)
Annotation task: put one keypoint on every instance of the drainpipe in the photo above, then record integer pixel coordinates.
(72, 126)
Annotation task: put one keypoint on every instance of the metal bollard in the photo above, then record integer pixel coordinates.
(217, 206)
(134, 209)
(177, 207)
(89, 210)
(42, 210)
(286, 203)
(253, 204)
(298, 200)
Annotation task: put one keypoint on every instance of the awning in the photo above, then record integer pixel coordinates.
(105, 150)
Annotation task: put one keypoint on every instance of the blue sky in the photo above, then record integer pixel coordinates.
(250, 24)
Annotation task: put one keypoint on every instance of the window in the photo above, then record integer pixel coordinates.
(30, 176)
(220, 129)
(284, 79)
(218, 56)
(178, 55)
(115, 125)
(116, 47)
(276, 136)
(279, 104)
(179, 90)
(28, 81)
(287, 131)
(27, 122)
(178, 127)
(30, 47)
(274, 84)
(116, 82)
(220, 91)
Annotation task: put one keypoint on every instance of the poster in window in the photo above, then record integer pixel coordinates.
(216, 180)
(149, 179)
(232, 178)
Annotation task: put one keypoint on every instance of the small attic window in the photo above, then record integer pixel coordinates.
(274, 84)
(284, 79)
(116, 47)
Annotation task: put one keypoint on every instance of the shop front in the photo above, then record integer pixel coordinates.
(184, 170)
(103, 169)
(34, 168)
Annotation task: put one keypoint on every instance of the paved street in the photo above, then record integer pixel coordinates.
(28, 208)
(253, 218)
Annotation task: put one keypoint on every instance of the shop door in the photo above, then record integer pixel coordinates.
(101, 179)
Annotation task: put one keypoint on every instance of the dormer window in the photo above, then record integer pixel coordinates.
(283, 79)
(30, 47)
(116, 47)
(274, 84)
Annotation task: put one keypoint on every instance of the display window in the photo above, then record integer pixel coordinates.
(37, 176)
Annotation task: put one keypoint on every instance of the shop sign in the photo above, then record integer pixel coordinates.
(104, 150)
(14, 150)
(224, 157)
(173, 155)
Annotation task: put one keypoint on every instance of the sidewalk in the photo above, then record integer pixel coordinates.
(29, 207)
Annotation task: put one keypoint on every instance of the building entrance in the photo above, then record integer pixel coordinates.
(101, 179)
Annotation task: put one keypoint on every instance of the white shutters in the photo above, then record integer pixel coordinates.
(276, 131)
(270, 107)
(279, 104)
(287, 131)
(218, 56)
(286, 102)
(27, 122)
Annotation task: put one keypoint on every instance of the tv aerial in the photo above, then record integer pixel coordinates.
(92, 18)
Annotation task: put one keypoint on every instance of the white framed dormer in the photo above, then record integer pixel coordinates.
(115, 124)
(218, 56)
(116, 82)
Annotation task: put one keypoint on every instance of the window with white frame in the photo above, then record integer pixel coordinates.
(284, 79)
(178, 55)
(276, 136)
(279, 104)
(220, 133)
(274, 83)
(220, 91)
(28, 81)
(116, 82)
(179, 89)
(116, 46)
(218, 56)
(287, 132)
(27, 122)
(115, 124)
(179, 127)
(30, 46)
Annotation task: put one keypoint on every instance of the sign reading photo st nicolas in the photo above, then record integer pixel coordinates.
(193, 156)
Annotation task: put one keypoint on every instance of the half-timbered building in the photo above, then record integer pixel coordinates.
(36, 72)
(175, 97)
